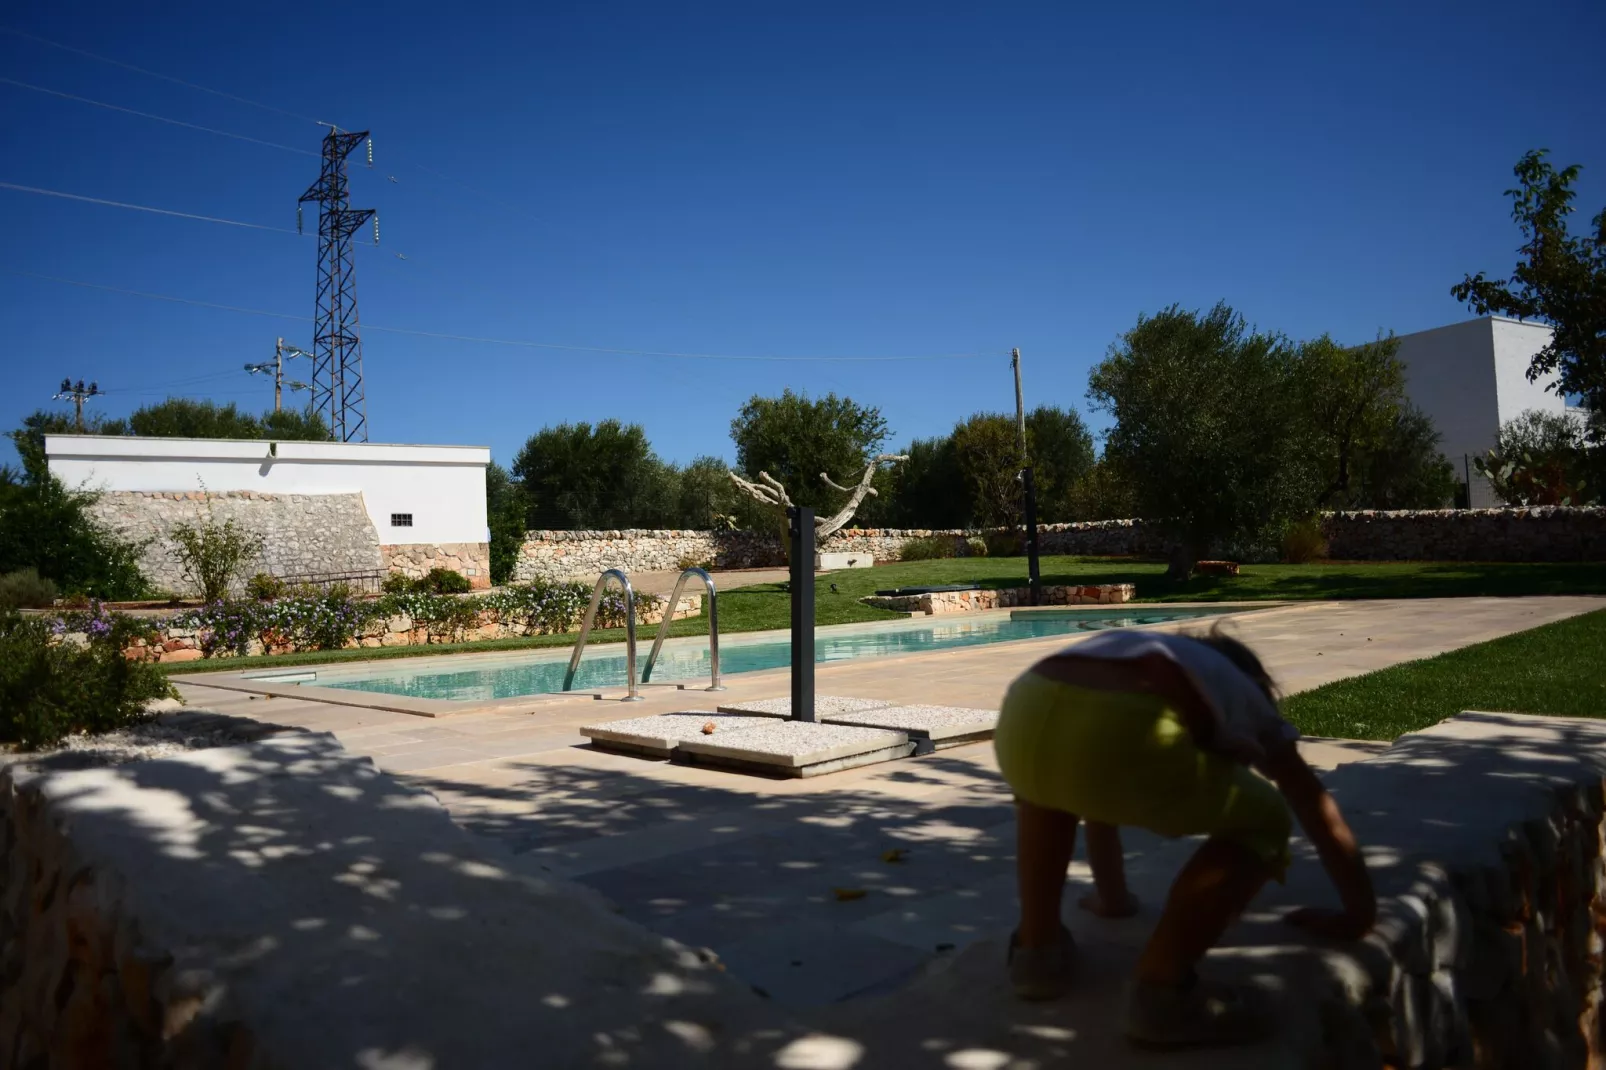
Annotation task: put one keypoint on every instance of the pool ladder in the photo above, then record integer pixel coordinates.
(634, 693)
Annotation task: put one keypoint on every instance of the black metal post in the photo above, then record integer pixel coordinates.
(801, 529)
(1032, 568)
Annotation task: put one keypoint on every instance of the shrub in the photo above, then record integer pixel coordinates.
(212, 555)
(692, 561)
(397, 583)
(25, 589)
(927, 548)
(264, 587)
(1304, 542)
(976, 547)
(47, 527)
(50, 688)
(444, 581)
(1005, 544)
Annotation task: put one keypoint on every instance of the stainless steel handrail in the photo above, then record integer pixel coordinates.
(630, 631)
(713, 628)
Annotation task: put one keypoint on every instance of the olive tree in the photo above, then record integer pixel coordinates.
(1207, 428)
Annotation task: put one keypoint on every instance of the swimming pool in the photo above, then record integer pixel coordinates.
(688, 659)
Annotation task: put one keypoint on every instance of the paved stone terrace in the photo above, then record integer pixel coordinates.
(753, 867)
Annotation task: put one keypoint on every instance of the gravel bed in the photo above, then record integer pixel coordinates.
(166, 735)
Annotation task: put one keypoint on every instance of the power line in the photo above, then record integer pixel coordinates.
(143, 208)
(156, 211)
(154, 74)
(158, 118)
(499, 202)
(520, 343)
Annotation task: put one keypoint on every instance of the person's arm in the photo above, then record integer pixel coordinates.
(1335, 844)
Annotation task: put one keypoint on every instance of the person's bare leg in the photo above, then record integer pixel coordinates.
(1213, 888)
(1110, 898)
(1044, 842)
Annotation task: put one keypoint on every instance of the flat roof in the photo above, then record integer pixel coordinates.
(282, 449)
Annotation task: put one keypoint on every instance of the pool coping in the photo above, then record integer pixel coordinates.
(252, 681)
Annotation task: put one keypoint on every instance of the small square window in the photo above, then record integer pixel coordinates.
(401, 520)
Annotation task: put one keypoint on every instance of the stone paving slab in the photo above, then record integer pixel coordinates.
(823, 705)
(657, 736)
(933, 727)
(797, 748)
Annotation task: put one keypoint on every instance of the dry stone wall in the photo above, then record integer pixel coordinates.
(1549, 533)
(1538, 534)
(585, 555)
(414, 560)
(302, 533)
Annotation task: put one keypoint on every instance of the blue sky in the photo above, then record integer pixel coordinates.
(829, 181)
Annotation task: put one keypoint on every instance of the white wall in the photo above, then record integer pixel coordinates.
(1514, 347)
(443, 487)
(1470, 378)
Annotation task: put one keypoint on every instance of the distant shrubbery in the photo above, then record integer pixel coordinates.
(929, 548)
(25, 589)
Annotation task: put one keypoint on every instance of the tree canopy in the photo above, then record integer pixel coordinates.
(795, 439)
(1560, 279)
(1061, 449)
(1208, 429)
(604, 476)
(1374, 450)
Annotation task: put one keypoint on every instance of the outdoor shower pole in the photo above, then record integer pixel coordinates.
(801, 529)
(1028, 487)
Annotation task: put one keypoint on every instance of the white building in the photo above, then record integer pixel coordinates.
(1472, 377)
(423, 505)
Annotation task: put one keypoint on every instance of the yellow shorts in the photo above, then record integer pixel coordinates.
(1127, 759)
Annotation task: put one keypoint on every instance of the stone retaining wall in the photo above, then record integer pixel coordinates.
(1104, 594)
(414, 560)
(303, 533)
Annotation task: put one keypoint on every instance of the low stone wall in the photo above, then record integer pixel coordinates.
(414, 560)
(302, 533)
(1539, 534)
(1550, 533)
(173, 643)
(936, 602)
(585, 555)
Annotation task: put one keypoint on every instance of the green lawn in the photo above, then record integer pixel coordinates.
(1558, 668)
(757, 608)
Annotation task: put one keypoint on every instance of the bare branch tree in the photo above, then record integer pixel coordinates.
(769, 491)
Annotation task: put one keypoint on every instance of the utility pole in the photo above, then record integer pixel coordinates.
(276, 367)
(1027, 486)
(79, 394)
(337, 389)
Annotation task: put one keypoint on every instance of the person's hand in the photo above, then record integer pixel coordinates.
(1331, 923)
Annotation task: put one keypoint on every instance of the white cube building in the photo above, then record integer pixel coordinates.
(1472, 377)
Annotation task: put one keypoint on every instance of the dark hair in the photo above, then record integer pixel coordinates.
(1242, 657)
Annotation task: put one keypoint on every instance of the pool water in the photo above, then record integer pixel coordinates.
(688, 660)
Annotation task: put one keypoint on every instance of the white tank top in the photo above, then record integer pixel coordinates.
(1246, 716)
